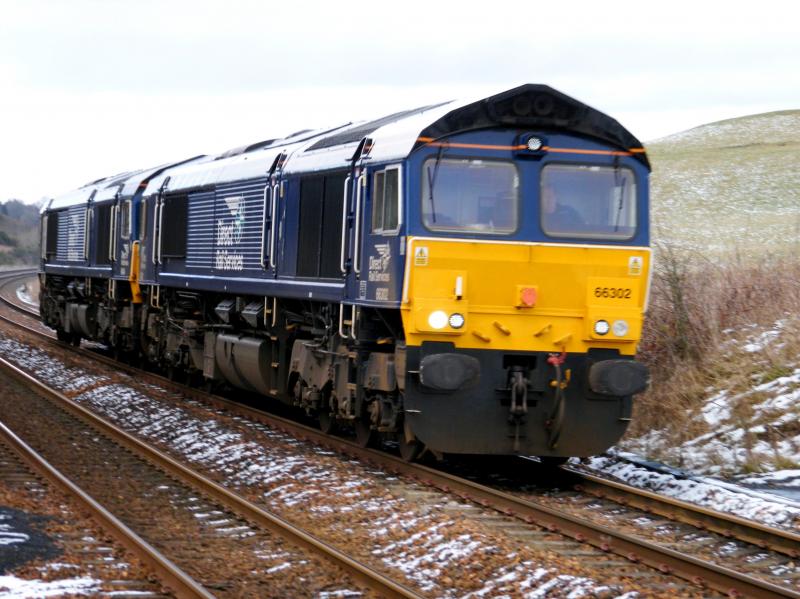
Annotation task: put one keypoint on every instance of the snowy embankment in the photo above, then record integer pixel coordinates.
(714, 494)
(744, 429)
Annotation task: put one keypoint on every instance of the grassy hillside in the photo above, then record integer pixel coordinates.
(19, 233)
(729, 185)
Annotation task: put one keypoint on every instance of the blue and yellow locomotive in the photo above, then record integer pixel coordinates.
(467, 277)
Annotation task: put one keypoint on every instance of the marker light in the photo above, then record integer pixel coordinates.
(527, 297)
(601, 327)
(534, 144)
(456, 320)
(620, 328)
(438, 319)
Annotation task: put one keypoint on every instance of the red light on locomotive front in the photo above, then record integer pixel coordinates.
(528, 297)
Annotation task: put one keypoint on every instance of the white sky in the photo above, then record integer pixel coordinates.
(89, 88)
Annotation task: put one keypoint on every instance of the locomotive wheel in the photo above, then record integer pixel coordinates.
(327, 423)
(365, 436)
(62, 336)
(411, 449)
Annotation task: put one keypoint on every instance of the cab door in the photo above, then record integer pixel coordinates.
(354, 224)
(382, 249)
(121, 235)
(271, 224)
(148, 237)
(373, 241)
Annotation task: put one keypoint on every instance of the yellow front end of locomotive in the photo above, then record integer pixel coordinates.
(524, 297)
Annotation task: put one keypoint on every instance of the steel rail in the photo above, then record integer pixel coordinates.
(666, 560)
(383, 585)
(10, 276)
(727, 525)
(183, 585)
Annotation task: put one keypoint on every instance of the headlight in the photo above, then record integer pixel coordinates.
(601, 327)
(534, 144)
(438, 319)
(620, 328)
(456, 320)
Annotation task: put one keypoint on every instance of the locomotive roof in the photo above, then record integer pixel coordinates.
(107, 188)
(531, 106)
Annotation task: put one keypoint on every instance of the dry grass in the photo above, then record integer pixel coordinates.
(700, 314)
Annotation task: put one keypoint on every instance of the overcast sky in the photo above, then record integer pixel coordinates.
(89, 88)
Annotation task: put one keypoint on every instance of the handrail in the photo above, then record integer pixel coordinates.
(264, 224)
(362, 181)
(43, 235)
(273, 223)
(155, 229)
(86, 221)
(343, 254)
(160, 227)
(112, 232)
(117, 229)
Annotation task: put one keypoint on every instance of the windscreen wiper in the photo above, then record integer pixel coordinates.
(432, 180)
(619, 184)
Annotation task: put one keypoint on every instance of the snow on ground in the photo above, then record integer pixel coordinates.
(23, 294)
(538, 583)
(781, 478)
(8, 536)
(755, 506)
(12, 587)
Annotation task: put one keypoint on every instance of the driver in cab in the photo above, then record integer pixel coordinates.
(558, 217)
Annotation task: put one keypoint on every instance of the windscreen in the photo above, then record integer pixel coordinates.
(469, 195)
(597, 202)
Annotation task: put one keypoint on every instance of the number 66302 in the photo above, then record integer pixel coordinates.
(613, 292)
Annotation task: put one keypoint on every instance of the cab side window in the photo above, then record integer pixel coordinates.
(386, 201)
(125, 219)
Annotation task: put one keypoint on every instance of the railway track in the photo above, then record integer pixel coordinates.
(129, 459)
(172, 576)
(725, 525)
(8, 280)
(676, 560)
(37, 486)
